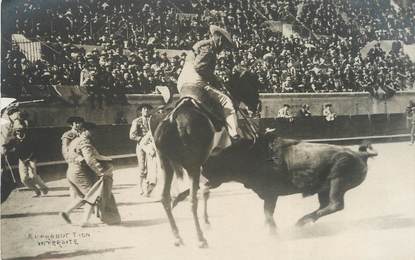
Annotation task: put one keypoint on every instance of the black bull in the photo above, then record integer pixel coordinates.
(277, 167)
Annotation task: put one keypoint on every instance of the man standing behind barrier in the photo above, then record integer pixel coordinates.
(139, 129)
(328, 114)
(304, 112)
(285, 113)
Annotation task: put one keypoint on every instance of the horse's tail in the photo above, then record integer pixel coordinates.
(167, 141)
(178, 170)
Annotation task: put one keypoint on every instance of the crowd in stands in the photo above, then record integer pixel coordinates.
(381, 20)
(323, 57)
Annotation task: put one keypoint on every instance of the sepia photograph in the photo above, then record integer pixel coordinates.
(207, 129)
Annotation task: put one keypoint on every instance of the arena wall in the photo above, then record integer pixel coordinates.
(358, 115)
(113, 139)
(344, 104)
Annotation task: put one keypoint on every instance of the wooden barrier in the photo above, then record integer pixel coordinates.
(344, 104)
(113, 140)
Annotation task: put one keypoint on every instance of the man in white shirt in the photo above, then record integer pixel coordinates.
(285, 112)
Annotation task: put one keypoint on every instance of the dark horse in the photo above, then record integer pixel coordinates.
(185, 140)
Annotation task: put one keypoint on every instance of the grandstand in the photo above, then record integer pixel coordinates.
(293, 45)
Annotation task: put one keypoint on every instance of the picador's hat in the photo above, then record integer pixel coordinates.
(12, 110)
(216, 29)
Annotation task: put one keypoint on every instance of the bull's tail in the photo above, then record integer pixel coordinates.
(367, 148)
(373, 154)
(178, 171)
(181, 197)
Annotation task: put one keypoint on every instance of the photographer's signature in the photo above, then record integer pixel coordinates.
(59, 239)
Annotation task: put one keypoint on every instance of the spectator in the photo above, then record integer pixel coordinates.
(88, 79)
(304, 112)
(328, 113)
(287, 85)
(285, 113)
(312, 63)
(120, 118)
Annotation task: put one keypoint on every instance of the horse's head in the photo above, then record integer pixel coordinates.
(243, 86)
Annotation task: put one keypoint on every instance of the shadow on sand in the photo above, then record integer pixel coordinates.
(58, 255)
(123, 186)
(334, 228)
(56, 196)
(138, 203)
(33, 214)
(143, 223)
(21, 189)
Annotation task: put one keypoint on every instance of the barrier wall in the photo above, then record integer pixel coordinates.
(114, 140)
(344, 104)
(358, 115)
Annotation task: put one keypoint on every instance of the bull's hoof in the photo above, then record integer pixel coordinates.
(178, 242)
(203, 244)
(304, 221)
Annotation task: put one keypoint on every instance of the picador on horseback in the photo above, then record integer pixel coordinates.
(194, 129)
(198, 76)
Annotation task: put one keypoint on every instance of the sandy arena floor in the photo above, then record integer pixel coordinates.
(378, 222)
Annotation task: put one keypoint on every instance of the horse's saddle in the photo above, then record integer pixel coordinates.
(200, 98)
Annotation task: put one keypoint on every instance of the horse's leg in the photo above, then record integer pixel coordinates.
(166, 198)
(206, 195)
(194, 176)
(269, 208)
(329, 203)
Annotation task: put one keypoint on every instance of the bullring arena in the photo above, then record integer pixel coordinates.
(85, 86)
(378, 222)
